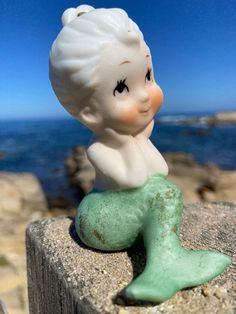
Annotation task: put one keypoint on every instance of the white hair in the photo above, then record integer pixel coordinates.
(75, 52)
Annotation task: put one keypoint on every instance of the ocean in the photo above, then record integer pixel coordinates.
(41, 146)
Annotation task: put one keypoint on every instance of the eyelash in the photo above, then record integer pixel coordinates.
(120, 87)
(148, 75)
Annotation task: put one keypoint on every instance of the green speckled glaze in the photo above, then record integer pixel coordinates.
(112, 220)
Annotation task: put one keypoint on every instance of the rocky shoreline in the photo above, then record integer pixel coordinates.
(23, 200)
(215, 119)
(198, 182)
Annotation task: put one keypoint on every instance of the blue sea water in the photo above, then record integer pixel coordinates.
(41, 146)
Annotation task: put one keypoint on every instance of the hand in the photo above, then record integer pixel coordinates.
(116, 138)
(146, 132)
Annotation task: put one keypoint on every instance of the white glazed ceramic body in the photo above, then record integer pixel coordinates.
(105, 78)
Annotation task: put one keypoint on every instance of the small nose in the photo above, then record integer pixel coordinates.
(143, 96)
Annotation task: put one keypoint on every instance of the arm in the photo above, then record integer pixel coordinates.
(146, 132)
(118, 159)
(154, 159)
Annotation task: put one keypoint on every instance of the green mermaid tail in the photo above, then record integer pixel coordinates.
(112, 220)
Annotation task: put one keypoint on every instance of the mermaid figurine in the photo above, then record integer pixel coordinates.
(101, 71)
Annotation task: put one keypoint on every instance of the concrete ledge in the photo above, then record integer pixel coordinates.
(66, 277)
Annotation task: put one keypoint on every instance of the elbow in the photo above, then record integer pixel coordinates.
(166, 170)
(133, 182)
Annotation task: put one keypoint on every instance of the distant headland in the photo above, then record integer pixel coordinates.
(227, 117)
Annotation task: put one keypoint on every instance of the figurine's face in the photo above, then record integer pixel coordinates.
(126, 95)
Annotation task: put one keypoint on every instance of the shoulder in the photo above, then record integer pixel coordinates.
(100, 154)
(95, 149)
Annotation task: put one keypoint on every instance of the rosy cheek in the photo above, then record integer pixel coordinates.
(156, 97)
(130, 116)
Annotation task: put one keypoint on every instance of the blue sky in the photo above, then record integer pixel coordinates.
(193, 45)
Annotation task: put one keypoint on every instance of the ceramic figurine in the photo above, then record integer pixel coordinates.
(101, 71)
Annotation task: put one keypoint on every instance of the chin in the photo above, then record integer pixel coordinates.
(131, 130)
(139, 129)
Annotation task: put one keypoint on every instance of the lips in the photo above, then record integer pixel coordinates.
(145, 110)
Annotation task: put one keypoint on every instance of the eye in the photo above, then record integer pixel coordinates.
(120, 87)
(148, 75)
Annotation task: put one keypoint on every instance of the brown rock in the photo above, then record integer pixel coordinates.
(3, 154)
(197, 182)
(79, 170)
(10, 197)
(21, 201)
(201, 183)
(225, 117)
(218, 118)
(20, 194)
